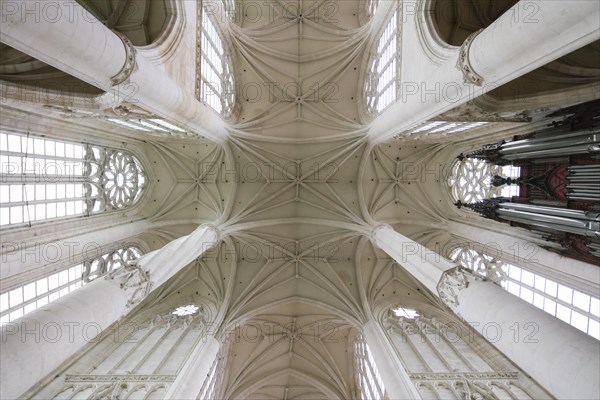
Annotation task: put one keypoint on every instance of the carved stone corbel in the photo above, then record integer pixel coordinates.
(130, 64)
(464, 63)
(452, 283)
(133, 279)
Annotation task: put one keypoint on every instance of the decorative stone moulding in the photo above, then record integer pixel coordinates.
(133, 279)
(130, 64)
(120, 378)
(373, 236)
(467, 375)
(464, 62)
(452, 283)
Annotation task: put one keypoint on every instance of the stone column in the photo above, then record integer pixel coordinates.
(62, 34)
(526, 37)
(192, 376)
(518, 249)
(564, 360)
(395, 378)
(19, 261)
(33, 346)
(425, 265)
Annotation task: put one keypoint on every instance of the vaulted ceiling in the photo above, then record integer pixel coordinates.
(296, 187)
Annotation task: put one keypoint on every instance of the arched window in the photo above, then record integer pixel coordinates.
(44, 179)
(370, 8)
(441, 357)
(370, 383)
(573, 307)
(24, 299)
(216, 79)
(140, 360)
(381, 86)
(471, 179)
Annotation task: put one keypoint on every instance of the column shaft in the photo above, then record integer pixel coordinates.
(425, 265)
(395, 378)
(32, 257)
(193, 374)
(526, 37)
(36, 344)
(564, 360)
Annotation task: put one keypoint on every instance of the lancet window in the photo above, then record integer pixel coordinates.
(381, 86)
(216, 83)
(445, 360)
(370, 383)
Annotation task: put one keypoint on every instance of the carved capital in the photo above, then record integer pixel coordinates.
(130, 64)
(373, 235)
(134, 280)
(215, 230)
(452, 283)
(464, 63)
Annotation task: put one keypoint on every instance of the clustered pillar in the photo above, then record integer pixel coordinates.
(526, 37)
(90, 51)
(36, 344)
(561, 358)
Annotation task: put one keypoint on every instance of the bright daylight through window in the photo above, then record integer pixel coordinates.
(572, 306)
(43, 179)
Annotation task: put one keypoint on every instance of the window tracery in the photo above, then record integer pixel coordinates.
(216, 81)
(369, 381)
(29, 297)
(405, 312)
(470, 180)
(44, 179)
(381, 86)
(442, 362)
(141, 360)
(569, 305)
(190, 309)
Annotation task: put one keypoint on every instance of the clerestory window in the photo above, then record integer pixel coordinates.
(381, 86)
(369, 381)
(371, 7)
(44, 179)
(565, 303)
(151, 125)
(216, 84)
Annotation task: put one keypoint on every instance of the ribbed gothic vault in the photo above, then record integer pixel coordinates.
(293, 182)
